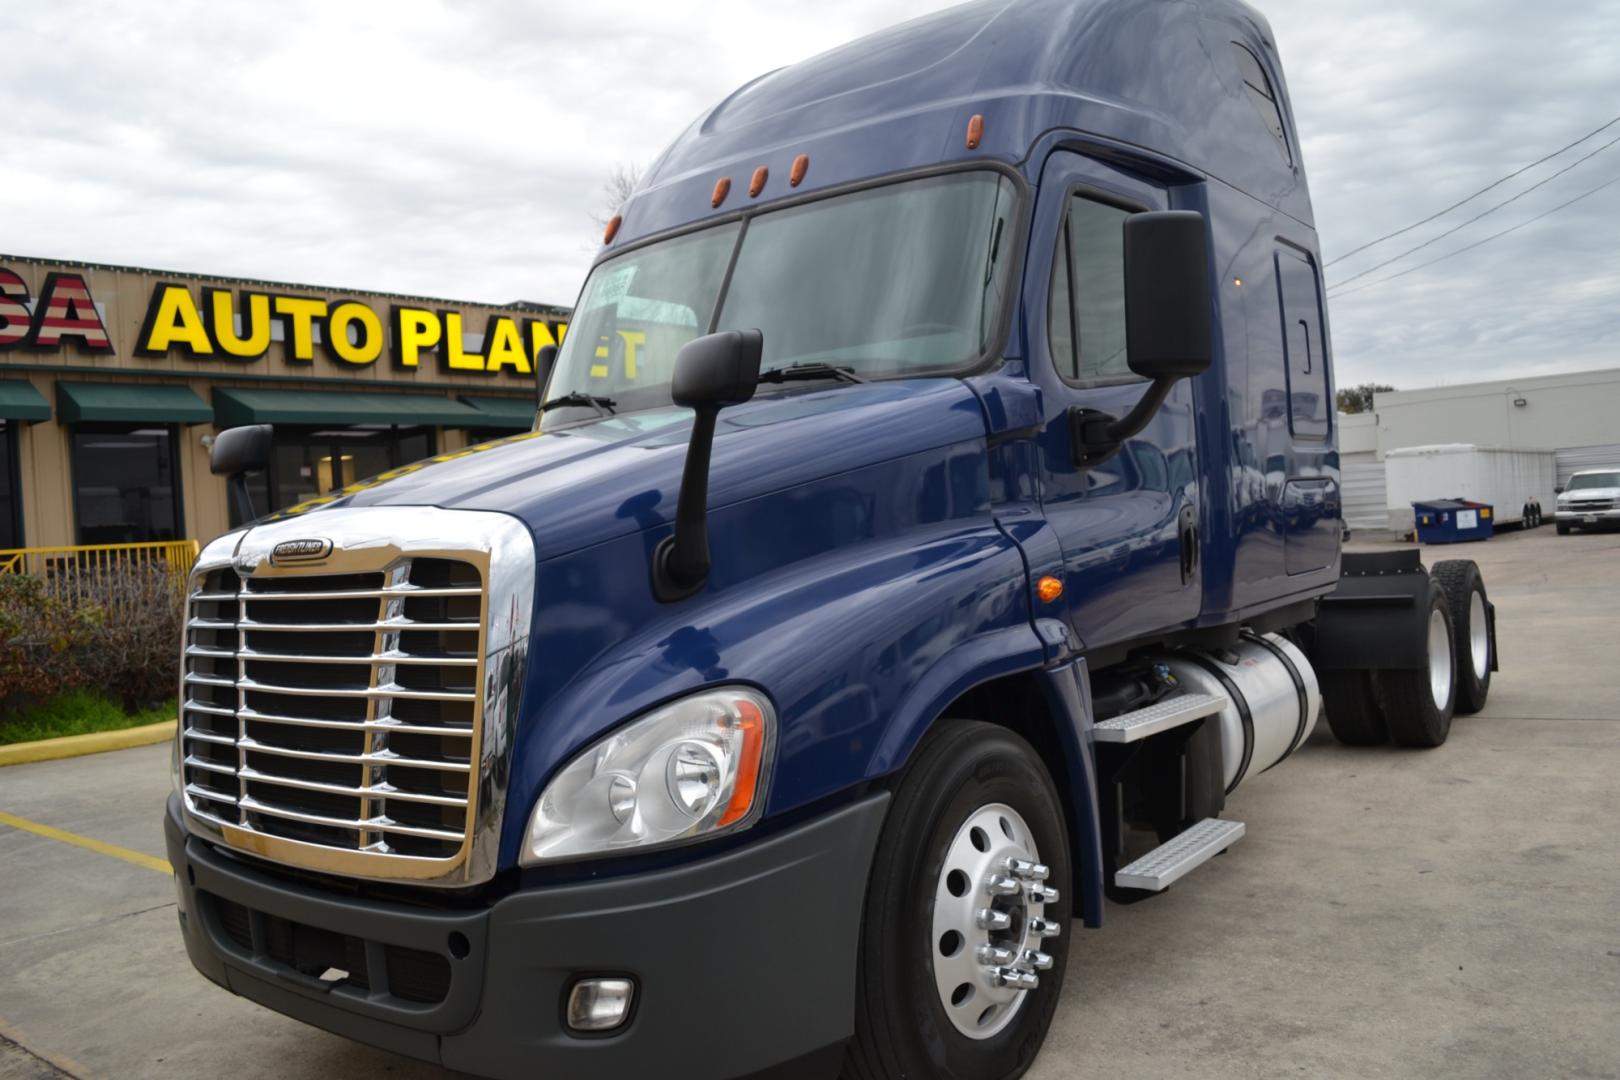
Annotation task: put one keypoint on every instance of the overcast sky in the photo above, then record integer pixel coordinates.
(459, 149)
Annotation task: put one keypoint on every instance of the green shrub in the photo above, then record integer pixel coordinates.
(116, 633)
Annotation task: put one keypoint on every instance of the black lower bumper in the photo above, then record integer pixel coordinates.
(741, 962)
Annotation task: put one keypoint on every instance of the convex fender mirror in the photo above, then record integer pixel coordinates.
(711, 373)
(236, 452)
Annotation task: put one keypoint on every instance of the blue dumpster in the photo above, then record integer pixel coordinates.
(1450, 521)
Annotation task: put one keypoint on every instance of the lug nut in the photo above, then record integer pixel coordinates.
(994, 956)
(1045, 928)
(1024, 870)
(991, 919)
(1017, 980)
(1001, 885)
(1042, 894)
(1038, 960)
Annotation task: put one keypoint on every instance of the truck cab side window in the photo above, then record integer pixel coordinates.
(1086, 318)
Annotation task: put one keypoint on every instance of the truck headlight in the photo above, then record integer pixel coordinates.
(696, 767)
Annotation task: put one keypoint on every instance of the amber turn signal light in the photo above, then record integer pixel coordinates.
(975, 131)
(1048, 589)
(612, 229)
(722, 188)
(753, 750)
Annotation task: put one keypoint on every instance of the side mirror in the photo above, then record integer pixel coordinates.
(710, 373)
(1167, 307)
(1168, 328)
(1558, 491)
(237, 452)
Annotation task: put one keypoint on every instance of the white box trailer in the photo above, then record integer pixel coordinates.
(1509, 480)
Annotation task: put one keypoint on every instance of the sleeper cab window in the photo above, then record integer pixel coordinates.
(1086, 316)
(1261, 95)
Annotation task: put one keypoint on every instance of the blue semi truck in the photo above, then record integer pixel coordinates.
(931, 517)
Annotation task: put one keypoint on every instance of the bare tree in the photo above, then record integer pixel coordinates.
(616, 191)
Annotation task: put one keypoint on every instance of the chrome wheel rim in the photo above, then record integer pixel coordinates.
(1439, 659)
(1479, 638)
(989, 921)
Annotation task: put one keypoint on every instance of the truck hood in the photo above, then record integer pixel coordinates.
(589, 483)
(1590, 493)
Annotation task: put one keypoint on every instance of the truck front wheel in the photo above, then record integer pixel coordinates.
(965, 936)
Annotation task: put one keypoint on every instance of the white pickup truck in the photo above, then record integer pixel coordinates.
(1592, 498)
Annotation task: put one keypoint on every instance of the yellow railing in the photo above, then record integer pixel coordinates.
(73, 571)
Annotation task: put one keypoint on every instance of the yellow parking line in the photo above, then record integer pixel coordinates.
(100, 847)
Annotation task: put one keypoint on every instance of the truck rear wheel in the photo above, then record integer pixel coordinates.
(965, 936)
(1465, 594)
(1418, 702)
(1352, 708)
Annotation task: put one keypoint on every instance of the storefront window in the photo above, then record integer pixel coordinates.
(125, 484)
(11, 534)
(309, 462)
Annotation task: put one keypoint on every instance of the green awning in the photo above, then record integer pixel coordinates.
(20, 401)
(139, 403)
(502, 412)
(235, 407)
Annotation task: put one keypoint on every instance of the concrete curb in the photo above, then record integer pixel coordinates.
(96, 742)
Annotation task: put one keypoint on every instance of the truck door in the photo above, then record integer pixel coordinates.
(1128, 524)
(1307, 506)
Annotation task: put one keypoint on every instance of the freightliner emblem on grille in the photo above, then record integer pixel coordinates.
(300, 551)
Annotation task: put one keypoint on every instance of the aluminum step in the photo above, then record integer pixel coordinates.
(1180, 856)
(1160, 716)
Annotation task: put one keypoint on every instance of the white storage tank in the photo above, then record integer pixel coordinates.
(1506, 479)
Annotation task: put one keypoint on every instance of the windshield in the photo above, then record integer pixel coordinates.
(903, 279)
(1595, 480)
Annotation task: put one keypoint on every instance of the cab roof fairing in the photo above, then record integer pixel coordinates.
(1155, 74)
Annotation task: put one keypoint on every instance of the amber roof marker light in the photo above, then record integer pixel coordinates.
(757, 184)
(612, 229)
(975, 131)
(801, 165)
(722, 188)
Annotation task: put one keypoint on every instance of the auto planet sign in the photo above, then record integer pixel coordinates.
(238, 327)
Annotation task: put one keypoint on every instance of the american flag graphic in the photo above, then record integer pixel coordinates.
(14, 316)
(66, 311)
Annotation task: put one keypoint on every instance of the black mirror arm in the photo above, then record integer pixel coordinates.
(681, 562)
(1097, 436)
(241, 501)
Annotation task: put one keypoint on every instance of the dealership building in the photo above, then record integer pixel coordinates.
(113, 381)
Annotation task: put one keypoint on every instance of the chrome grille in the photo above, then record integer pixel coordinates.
(336, 709)
(1588, 505)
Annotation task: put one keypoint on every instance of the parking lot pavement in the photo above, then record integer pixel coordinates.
(1391, 913)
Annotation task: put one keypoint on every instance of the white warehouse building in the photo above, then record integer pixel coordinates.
(1577, 416)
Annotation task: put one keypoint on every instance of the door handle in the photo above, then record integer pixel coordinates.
(1187, 534)
(1305, 326)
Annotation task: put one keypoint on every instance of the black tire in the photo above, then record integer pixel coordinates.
(1352, 708)
(1404, 695)
(901, 1028)
(1562, 527)
(1460, 578)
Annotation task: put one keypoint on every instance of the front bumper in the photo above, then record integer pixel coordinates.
(741, 962)
(1587, 517)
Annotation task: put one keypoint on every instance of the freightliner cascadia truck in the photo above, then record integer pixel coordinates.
(932, 516)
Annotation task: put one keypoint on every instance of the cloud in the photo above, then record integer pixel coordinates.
(459, 149)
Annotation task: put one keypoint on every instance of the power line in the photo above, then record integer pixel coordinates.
(1483, 213)
(1475, 195)
(1479, 243)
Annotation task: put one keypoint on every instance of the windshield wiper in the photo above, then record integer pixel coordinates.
(806, 372)
(577, 400)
